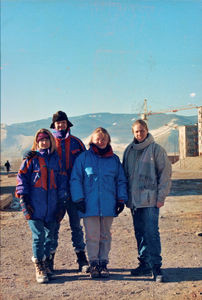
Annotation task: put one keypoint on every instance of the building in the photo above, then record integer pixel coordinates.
(188, 141)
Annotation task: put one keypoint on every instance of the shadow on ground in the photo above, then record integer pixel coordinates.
(170, 275)
(182, 187)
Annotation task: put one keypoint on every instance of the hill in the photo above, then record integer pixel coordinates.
(17, 138)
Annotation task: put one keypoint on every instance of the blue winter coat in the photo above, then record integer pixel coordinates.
(41, 179)
(100, 181)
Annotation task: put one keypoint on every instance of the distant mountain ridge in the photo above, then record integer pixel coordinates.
(17, 138)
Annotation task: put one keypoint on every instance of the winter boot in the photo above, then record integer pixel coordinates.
(94, 270)
(158, 275)
(104, 272)
(82, 261)
(142, 270)
(41, 275)
(48, 265)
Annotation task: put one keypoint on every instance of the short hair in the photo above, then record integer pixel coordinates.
(102, 131)
(52, 140)
(141, 122)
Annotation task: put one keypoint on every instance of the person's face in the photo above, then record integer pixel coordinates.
(140, 132)
(100, 140)
(61, 125)
(44, 143)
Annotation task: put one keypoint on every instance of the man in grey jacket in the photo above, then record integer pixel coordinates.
(148, 171)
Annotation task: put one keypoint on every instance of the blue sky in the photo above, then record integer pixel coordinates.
(85, 56)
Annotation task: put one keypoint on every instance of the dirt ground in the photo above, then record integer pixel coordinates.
(180, 229)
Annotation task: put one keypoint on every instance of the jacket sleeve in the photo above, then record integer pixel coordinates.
(23, 178)
(121, 183)
(125, 156)
(163, 171)
(76, 180)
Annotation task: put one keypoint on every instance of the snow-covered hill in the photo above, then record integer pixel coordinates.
(17, 138)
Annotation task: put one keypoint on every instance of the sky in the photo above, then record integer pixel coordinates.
(90, 56)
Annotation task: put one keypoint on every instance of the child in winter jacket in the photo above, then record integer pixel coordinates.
(41, 188)
(98, 187)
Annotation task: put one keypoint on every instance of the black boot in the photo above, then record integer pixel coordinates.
(104, 272)
(94, 270)
(157, 272)
(82, 261)
(142, 270)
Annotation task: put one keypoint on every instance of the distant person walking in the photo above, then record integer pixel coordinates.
(148, 171)
(98, 187)
(8, 166)
(41, 187)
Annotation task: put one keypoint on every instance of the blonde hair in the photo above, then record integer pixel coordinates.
(102, 131)
(141, 122)
(35, 145)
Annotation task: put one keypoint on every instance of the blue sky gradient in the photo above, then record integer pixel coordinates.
(99, 56)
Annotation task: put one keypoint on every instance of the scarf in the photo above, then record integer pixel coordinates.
(61, 134)
(106, 152)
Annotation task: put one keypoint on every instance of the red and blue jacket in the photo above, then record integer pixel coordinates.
(42, 180)
(68, 149)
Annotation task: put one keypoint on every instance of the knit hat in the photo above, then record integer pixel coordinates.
(42, 135)
(60, 116)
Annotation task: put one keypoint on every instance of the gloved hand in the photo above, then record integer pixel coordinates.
(29, 154)
(119, 207)
(81, 206)
(27, 209)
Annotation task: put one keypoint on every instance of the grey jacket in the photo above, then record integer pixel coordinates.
(148, 171)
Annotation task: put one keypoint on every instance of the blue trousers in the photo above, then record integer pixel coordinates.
(42, 235)
(145, 221)
(76, 229)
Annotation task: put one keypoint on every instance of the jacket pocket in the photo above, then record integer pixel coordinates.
(148, 198)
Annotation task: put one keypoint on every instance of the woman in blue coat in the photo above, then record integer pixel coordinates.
(41, 187)
(98, 187)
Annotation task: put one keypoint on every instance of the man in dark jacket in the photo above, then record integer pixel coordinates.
(68, 148)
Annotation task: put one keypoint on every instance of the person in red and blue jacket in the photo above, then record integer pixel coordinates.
(41, 188)
(99, 189)
(69, 148)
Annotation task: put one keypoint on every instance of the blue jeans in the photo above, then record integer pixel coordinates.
(42, 235)
(76, 229)
(145, 221)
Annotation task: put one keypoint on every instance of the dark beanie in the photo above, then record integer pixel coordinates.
(60, 116)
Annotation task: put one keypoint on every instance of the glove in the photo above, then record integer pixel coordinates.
(26, 207)
(81, 206)
(119, 207)
(29, 154)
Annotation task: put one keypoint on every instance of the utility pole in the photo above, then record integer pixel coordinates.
(144, 115)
